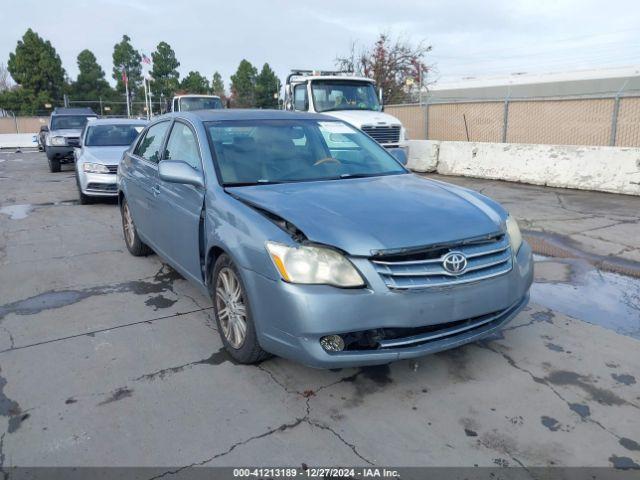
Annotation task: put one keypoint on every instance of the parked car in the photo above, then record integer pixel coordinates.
(102, 143)
(315, 243)
(191, 102)
(63, 136)
(42, 137)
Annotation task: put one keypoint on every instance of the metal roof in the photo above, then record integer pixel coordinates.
(596, 82)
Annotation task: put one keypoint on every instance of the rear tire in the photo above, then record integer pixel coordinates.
(136, 247)
(233, 313)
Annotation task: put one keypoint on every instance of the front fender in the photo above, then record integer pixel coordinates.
(240, 232)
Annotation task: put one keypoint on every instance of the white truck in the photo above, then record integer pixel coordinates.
(347, 97)
(185, 103)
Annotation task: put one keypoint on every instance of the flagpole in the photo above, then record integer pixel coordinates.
(150, 100)
(146, 97)
(125, 78)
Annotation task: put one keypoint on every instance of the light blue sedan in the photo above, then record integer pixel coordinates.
(102, 143)
(315, 243)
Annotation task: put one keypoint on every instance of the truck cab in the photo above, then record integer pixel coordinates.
(347, 97)
(188, 103)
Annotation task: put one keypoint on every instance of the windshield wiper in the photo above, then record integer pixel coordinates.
(249, 184)
(360, 175)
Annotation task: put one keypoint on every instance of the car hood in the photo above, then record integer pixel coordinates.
(361, 216)
(65, 132)
(358, 118)
(104, 155)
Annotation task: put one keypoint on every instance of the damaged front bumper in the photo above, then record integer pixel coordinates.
(396, 324)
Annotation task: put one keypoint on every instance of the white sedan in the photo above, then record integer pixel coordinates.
(102, 144)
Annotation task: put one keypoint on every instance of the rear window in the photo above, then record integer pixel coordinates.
(111, 135)
(72, 122)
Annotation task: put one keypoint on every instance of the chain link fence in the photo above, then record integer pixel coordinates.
(586, 120)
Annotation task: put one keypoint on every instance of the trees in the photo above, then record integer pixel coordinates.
(127, 57)
(267, 84)
(37, 69)
(243, 85)
(395, 64)
(5, 78)
(217, 85)
(194, 82)
(164, 72)
(91, 83)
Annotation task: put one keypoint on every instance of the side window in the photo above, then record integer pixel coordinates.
(300, 101)
(182, 145)
(150, 145)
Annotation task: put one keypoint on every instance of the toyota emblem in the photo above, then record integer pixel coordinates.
(454, 263)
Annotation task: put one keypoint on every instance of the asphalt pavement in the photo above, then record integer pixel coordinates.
(111, 360)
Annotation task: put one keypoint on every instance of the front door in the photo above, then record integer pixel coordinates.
(179, 206)
(143, 178)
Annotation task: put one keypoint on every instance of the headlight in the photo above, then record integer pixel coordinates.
(58, 141)
(313, 265)
(94, 168)
(403, 134)
(515, 237)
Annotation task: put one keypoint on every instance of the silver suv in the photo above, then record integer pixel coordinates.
(63, 136)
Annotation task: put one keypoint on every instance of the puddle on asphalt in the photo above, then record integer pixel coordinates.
(17, 212)
(575, 288)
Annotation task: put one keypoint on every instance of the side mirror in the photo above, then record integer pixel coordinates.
(399, 154)
(177, 171)
(44, 128)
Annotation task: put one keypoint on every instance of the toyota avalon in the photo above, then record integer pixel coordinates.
(317, 244)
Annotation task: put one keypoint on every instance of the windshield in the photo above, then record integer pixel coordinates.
(188, 104)
(75, 122)
(344, 95)
(279, 151)
(111, 135)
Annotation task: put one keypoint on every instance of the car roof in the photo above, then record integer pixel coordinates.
(248, 114)
(117, 121)
(190, 95)
(73, 111)
(342, 78)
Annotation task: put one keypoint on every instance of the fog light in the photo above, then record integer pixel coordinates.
(332, 343)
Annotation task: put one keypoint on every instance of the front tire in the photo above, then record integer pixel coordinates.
(233, 313)
(84, 199)
(54, 164)
(136, 247)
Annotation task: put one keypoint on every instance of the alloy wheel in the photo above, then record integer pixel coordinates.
(230, 307)
(129, 229)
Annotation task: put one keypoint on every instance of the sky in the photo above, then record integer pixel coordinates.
(469, 38)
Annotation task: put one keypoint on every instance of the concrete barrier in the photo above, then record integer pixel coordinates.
(18, 140)
(607, 169)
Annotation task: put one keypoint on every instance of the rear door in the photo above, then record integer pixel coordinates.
(142, 179)
(179, 206)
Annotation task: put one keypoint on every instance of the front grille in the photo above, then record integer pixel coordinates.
(383, 134)
(485, 259)
(112, 168)
(73, 141)
(103, 187)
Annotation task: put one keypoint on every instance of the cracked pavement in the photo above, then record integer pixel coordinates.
(107, 359)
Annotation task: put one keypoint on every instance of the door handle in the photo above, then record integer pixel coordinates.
(156, 190)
